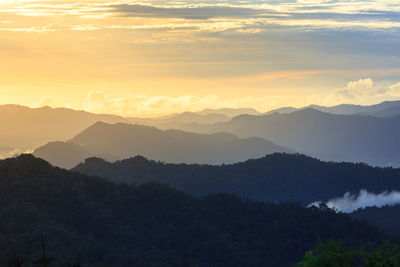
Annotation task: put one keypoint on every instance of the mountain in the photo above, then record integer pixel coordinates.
(177, 120)
(388, 112)
(64, 154)
(206, 116)
(276, 177)
(382, 109)
(24, 127)
(229, 112)
(327, 136)
(386, 217)
(283, 110)
(88, 221)
(118, 141)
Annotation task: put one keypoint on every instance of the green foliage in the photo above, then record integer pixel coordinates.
(335, 254)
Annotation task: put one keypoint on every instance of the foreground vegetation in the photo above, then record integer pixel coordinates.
(335, 254)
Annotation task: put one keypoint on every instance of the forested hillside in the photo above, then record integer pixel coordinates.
(276, 177)
(94, 222)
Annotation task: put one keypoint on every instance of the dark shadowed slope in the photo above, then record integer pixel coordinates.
(93, 222)
(118, 141)
(23, 127)
(277, 177)
(386, 218)
(332, 137)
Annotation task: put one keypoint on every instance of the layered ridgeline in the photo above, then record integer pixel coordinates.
(384, 109)
(118, 141)
(355, 138)
(276, 177)
(206, 116)
(94, 222)
(23, 128)
(210, 116)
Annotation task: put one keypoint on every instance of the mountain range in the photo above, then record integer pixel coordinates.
(364, 134)
(277, 177)
(24, 128)
(355, 138)
(384, 109)
(119, 141)
(54, 217)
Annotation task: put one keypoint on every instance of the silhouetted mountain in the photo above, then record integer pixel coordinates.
(381, 109)
(386, 218)
(23, 127)
(229, 112)
(388, 112)
(65, 154)
(276, 177)
(206, 116)
(281, 110)
(384, 109)
(118, 141)
(330, 137)
(88, 221)
(177, 120)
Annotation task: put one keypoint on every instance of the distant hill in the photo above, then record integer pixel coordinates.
(229, 112)
(65, 154)
(388, 112)
(327, 136)
(276, 177)
(384, 109)
(88, 221)
(177, 120)
(24, 127)
(206, 116)
(118, 141)
(284, 110)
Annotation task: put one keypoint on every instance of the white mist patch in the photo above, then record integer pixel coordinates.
(349, 202)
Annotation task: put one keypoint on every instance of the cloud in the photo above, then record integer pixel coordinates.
(395, 89)
(357, 88)
(186, 12)
(44, 101)
(40, 29)
(367, 88)
(349, 203)
(96, 101)
(139, 105)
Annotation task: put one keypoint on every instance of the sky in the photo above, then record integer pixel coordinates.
(147, 58)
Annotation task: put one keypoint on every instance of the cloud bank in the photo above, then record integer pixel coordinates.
(367, 88)
(349, 202)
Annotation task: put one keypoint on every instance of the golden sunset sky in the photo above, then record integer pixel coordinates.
(145, 58)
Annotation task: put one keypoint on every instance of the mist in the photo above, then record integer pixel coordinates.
(349, 203)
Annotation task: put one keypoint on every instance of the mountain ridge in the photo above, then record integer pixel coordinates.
(275, 177)
(121, 140)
